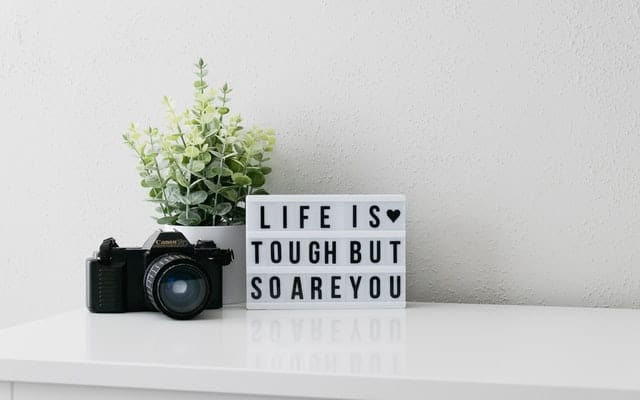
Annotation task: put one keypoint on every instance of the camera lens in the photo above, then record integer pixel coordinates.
(177, 286)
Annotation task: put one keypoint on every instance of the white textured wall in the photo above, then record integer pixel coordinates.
(512, 127)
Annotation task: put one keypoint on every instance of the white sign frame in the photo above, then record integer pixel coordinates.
(325, 251)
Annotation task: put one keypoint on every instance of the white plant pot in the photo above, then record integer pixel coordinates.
(226, 237)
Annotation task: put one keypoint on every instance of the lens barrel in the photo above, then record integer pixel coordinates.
(176, 285)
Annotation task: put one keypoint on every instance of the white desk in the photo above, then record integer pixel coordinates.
(428, 351)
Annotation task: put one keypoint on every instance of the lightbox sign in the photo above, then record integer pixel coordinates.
(325, 251)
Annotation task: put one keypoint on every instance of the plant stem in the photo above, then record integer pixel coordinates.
(224, 146)
(165, 203)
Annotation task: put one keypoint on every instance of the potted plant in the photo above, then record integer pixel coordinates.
(199, 171)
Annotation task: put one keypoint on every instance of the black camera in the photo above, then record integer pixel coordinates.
(167, 274)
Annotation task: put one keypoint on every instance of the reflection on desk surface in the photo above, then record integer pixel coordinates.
(355, 342)
(444, 342)
(339, 341)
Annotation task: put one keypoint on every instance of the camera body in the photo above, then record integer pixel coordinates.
(127, 279)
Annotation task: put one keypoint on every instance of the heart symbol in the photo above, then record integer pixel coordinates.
(393, 215)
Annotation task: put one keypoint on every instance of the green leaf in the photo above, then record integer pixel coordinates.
(215, 153)
(265, 170)
(223, 110)
(197, 197)
(193, 219)
(198, 140)
(209, 173)
(223, 208)
(182, 200)
(151, 181)
(191, 152)
(260, 191)
(208, 118)
(235, 165)
(155, 193)
(229, 140)
(167, 220)
(229, 194)
(180, 178)
(210, 185)
(173, 194)
(257, 179)
(208, 209)
(241, 179)
(149, 163)
(222, 171)
(200, 85)
(197, 165)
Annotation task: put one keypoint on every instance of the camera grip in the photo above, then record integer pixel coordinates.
(105, 285)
